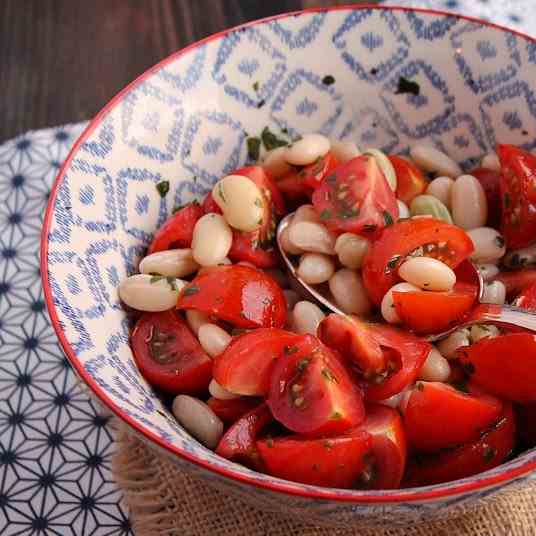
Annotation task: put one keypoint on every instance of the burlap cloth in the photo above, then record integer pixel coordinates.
(164, 500)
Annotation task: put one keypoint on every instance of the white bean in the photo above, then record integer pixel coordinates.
(494, 292)
(219, 392)
(307, 150)
(150, 293)
(385, 165)
(435, 369)
(403, 210)
(173, 263)
(491, 161)
(388, 307)
(427, 273)
(196, 319)
(198, 419)
(212, 239)
(347, 289)
(469, 204)
(274, 162)
(440, 188)
(351, 250)
(449, 346)
(305, 213)
(488, 271)
(433, 160)
(481, 331)
(315, 268)
(312, 237)
(518, 258)
(292, 298)
(213, 339)
(305, 317)
(286, 244)
(344, 151)
(489, 244)
(240, 201)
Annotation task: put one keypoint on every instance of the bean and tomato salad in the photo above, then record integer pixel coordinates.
(356, 400)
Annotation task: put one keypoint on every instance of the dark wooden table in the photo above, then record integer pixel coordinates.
(62, 60)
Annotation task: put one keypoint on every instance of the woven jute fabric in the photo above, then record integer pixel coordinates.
(164, 500)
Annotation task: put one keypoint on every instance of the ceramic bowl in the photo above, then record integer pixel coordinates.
(335, 71)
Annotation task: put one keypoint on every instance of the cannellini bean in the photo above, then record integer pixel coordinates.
(286, 244)
(435, 369)
(315, 268)
(433, 160)
(305, 213)
(275, 163)
(518, 258)
(240, 201)
(427, 273)
(346, 287)
(198, 419)
(428, 204)
(217, 391)
(481, 331)
(388, 307)
(385, 165)
(469, 204)
(213, 339)
(307, 150)
(351, 250)
(292, 298)
(491, 161)
(489, 244)
(403, 210)
(172, 263)
(212, 239)
(150, 293)
(440, 188)
(494, 292)
(280, 277)
(305, 317)
(344, 151)
(488, 271)
(313, 237)
(196, 319)
(449, 346)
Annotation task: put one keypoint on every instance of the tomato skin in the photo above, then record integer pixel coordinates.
(244, 296)
(488, 451)
(527, 299)
(335, 462)
(244, 367)
(410, 180)
(229, 411)
(505, 366)
(209, 205)
(517, 281)
(238, 443)
(438, 416)
(312, 393)
(526, 424)
(518, 194)
(177, 230)
(189, 370)
(356, 198)
(491, 182)
(380, 266)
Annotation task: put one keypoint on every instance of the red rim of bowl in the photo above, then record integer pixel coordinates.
(281, 486)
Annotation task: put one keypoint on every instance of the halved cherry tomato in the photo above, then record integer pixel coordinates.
(491, 182)
(169, 355)
(518, 193)
(486, 452)
(244, 296)
(177, 231)
(312, 393)
(388, 449)
(335, 462)
(231, 410)
(209, 205)
(305, 180)
(527, 299)
(354, 341)
(517, 281)
(421, 236)
(410, 180)
(356, 198)
(238, 443)
(244, 367)
(438, 416)
(505, 366)
(526, 424)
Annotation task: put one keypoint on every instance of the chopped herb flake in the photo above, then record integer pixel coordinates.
(289, 350)
(499, 240)
(325, 214)
(329, 375)
(506, 200)
(407, 86)
(488, 453)
(328, 80)
(469, 368)
(220, 192)
(336, 416)
(303, 364)
(258, 203)
(369, 227)
(261, 103)
(155, 278)
(461, 386)
(255, 86)
(347, 213)
(419, 386)
(163, 188)
(191, 290)
(254, 148)
(388, 218)
(391, 265)
(270, 140)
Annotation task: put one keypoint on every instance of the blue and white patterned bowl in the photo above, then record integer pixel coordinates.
(186, 121)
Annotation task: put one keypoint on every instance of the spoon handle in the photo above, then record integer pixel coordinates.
(504, 315)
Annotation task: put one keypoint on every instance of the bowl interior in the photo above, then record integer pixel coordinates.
(342, 72)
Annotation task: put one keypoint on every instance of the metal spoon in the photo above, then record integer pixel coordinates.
(503, 315)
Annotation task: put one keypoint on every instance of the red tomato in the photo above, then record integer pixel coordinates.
(526, 424)
(488, 451)
(231, 410)
(244, 296)
(427, 312)
(504, 365)
(388, 449)
(438, 239)
(527, 299)
(354, 341)
(410, 180)
(312, 393)
(209, 205)
(491, 182)
(517, 281)
(238, 443)
(177, 231)
(305, 180)
(244, 367)
(356, 198)
(438, 416)
(169, 355)
(518, 193)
